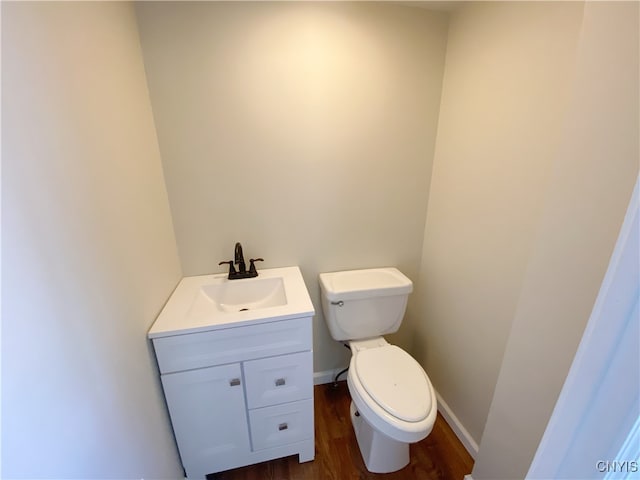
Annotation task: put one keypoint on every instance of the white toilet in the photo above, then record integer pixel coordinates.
(393, 402)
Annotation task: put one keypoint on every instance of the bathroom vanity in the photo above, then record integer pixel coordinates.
(235, 358)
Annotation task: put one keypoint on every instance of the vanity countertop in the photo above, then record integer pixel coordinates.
(211, 302)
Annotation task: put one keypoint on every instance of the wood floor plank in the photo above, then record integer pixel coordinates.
(440, 456)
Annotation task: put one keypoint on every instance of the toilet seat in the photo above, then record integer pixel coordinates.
(395, 381)
(377, 407)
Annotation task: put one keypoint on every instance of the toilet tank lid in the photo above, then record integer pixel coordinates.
(372, 282)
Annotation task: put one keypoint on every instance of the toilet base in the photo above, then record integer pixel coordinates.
(380, 453)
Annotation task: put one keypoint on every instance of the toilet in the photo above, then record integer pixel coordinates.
(393, 403)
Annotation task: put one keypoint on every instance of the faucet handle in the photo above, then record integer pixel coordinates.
(252, 267)
(232, 270)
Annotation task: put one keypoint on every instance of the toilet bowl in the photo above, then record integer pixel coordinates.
(393, 401)
(391, 390)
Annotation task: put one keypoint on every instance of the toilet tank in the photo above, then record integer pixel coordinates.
(359, 304)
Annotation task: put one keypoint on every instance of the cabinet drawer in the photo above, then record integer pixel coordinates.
(281, 424)
(203, 349)
(274, 380)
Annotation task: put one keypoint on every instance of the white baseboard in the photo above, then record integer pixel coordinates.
(468, 477)
(457, 427)
(327, 376)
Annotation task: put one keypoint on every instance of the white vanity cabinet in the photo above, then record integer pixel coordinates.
(239, 395)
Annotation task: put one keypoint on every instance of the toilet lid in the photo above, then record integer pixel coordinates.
(395, 381)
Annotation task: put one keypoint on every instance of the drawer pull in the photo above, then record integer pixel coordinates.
(234, 382)
(280, 382)
(283, 426)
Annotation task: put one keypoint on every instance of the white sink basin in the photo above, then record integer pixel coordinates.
(210, 302)
(239, 296)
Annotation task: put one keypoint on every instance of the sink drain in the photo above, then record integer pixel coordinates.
(243, 309)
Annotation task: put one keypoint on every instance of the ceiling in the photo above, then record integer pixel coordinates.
(433, 5)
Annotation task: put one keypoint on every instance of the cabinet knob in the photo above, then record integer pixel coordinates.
(234, 382)
(280, 382)
(283, 426)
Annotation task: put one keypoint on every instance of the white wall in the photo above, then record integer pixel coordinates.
(507, 77)
(594, 171)
(88, 252)
(303, 130)
(598, 408)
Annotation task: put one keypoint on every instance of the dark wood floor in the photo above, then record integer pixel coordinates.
(440, 456)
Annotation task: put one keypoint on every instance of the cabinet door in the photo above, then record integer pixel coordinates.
(209, 419)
